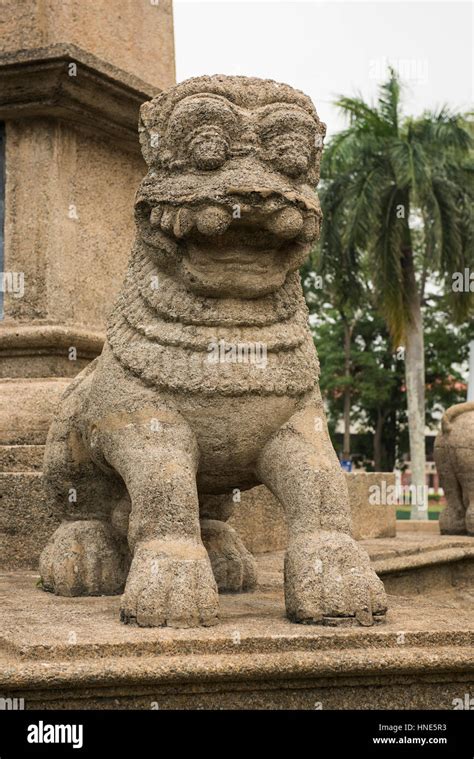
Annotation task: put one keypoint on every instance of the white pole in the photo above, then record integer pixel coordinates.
(470, 382)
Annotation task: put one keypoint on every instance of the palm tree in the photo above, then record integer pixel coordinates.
(387, 179)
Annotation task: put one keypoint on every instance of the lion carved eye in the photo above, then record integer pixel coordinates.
(287, 137)
(289, 153)
(209, 148)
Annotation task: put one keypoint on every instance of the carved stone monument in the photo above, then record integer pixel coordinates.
(208, 380)
(73, 76)
(454, 456)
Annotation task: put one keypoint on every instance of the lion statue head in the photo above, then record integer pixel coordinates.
(228, 205)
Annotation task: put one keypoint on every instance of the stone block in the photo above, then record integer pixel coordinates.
(371, 519)
(134, 35)
(26, 519)
(259, 518)
(26, 409)
(70, 241)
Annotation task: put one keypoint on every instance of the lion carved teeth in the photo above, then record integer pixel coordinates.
(167, 220)
(155, 216)
(286, 223)
(310, 228)
(213, 220)
(183, 222)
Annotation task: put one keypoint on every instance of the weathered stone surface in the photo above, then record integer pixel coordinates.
(71, 254)
(71, 84)
(27, 423)
(64, 82)
(454, 456)
(21, 458)
(136, 38)
(21, 501)
(413, 525)
(59, 238)
(73, 653)
(208, 380)
(232, 564)
(423, 562)
(372, 517)
(260, 520)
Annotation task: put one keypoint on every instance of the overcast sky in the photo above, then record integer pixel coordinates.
(331, 48)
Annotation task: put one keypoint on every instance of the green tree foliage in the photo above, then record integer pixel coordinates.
(377, 381)
(396, 194)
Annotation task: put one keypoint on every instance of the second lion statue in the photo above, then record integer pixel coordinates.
(156, 433)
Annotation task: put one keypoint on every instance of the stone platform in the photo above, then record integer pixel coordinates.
(74, 653)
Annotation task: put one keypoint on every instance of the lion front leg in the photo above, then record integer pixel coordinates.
(170, 580)
(327, 574)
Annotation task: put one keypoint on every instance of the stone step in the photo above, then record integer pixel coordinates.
(26, 519)
(21, 458)
(27, 408)
(423, 526)
(419, 658)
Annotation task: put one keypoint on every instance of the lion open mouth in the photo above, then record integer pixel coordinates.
(248, 239)
(233, 230)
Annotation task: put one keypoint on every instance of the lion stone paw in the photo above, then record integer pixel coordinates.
(329, 577)
(170, 583)
(453, 523)
(234, 567)
(84, 558)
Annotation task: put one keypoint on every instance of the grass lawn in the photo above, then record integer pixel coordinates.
(434, 507)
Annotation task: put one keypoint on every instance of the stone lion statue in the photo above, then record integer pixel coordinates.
(208, 380)
(454, 457)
